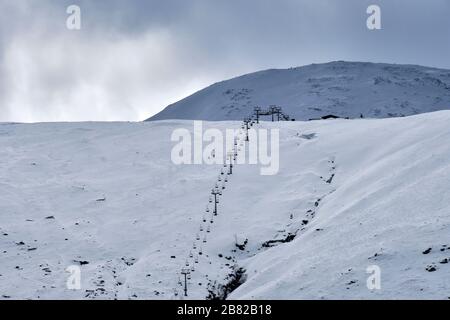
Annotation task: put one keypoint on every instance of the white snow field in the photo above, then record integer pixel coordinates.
(345, 89)
(350, 194)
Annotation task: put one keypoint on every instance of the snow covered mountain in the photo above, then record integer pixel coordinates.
(345, 89)
(350, 194)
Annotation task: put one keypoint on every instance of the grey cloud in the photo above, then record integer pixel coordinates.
(134, 57)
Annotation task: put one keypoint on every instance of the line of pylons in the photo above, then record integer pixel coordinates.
(212, 210)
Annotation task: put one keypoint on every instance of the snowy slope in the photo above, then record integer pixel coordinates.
(355, 192)
(346, 89)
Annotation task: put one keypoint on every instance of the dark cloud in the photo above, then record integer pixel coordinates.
(134, 57)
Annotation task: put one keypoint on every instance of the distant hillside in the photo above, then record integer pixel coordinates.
(346, 89)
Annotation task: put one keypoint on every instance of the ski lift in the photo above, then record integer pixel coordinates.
(198, 237)
(208, 229)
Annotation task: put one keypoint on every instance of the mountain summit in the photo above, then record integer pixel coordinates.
(344, 89)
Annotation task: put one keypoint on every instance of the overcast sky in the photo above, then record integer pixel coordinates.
(132, 58)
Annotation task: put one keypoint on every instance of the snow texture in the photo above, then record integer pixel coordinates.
(345, 89)
(349, 194)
